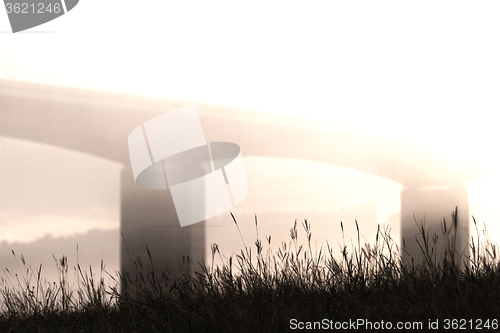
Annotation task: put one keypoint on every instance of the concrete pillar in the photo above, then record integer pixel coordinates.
(149, 218)
(432, 205)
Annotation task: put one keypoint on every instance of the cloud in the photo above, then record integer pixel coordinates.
(93, 246)
(20, 227)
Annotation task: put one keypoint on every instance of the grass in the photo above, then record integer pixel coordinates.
(260, 290)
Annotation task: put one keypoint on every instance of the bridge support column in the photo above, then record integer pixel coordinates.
(432, 205)
(149, 218)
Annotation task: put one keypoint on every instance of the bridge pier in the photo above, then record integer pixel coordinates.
(431, 205)
(148, 218)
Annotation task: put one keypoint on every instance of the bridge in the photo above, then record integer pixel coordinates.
(99, 123)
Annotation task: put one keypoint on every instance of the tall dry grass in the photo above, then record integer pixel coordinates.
(260, 290)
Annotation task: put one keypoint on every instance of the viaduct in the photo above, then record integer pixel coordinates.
(99, 123)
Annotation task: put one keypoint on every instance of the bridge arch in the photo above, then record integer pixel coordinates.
(99, 123)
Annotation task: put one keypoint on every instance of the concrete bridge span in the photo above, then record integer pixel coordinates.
(99, 123)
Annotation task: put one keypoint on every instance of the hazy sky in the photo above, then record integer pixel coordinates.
(425, 71)
(368, 65)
